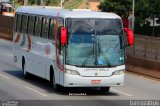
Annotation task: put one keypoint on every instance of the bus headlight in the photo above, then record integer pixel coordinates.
(118, 72)
(73, 72)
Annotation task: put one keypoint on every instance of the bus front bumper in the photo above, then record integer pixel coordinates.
(80, 81)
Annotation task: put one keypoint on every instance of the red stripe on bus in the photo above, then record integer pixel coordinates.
(60, 67)
(29, 42)
(18, 38)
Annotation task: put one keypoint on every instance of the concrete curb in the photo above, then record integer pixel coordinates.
(6, 36)
(143, 66)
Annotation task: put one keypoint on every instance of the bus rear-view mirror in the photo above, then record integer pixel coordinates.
(63, 36)
(130, 36)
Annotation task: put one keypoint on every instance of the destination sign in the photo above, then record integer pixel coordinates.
(96, 69)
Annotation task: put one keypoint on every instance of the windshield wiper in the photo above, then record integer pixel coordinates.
(100, 51)
(86, 59)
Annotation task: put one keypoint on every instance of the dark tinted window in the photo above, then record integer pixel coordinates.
(60, 24)
(18, 23)
(24, 23)
(45, 28)
(52, 28)
(1, 8)
(108, 27)
(81, 26)
(31, 24)
(15, 21)
(38, 25)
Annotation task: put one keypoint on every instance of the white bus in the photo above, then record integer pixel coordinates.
(71, 48)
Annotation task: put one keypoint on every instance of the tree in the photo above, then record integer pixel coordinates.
(25, 2)
(52, 2)
(33, 2)
(147, 9)
(120, 7)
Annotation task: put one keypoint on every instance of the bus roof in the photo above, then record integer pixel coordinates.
(52, 11)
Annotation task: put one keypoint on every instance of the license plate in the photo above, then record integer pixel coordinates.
(95, 81)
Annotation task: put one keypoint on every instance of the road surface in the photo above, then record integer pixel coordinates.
(14, 87)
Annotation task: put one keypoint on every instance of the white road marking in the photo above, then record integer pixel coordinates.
(142, 77)
(139, 76)
(11, 55)
(121, 92)
(35, 91)
(150, 79)
(1, 75)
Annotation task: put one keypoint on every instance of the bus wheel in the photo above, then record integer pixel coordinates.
(54, 84)
(104, 89)
(25, 73)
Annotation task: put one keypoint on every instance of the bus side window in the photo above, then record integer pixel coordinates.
(38, 25)
(45, 28)
(18, 23)
(24, 23)
(60, 24)
(31, 25)
(52, 29)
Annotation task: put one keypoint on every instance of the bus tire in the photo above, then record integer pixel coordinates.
(25, 73)
(104, 89)
(55, 86)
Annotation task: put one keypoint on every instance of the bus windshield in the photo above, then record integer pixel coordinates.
(95, 42)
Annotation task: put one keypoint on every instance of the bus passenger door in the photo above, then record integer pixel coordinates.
(59, 53)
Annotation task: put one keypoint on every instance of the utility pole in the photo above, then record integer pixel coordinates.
(133, 9)
(153, 32)
(25, 2)
(41, 2)
(62, 3)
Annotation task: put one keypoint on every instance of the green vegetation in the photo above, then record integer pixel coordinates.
(72, 4)
(120, 7)
(69, 4)
(16, 3)
(144, 10)
(147, 9)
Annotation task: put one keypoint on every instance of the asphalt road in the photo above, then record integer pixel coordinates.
(38, 92)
